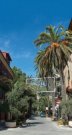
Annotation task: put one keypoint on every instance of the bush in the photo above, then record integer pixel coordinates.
(21, 98)
(66, 109)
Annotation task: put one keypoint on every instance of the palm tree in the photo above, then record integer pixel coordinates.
(54, 54)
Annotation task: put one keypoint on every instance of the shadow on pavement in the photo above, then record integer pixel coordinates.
(3, 128)
(29, 124)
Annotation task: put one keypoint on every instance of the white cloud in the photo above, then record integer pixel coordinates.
(23, 55)
(7, 43)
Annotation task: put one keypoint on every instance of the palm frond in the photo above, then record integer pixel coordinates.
(65, 51)
(53, 55)
(42, 39)
(51, 30)
(59, 29)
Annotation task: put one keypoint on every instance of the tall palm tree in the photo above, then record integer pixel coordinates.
(55, 53)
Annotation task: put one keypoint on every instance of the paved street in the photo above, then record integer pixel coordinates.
(39, 126)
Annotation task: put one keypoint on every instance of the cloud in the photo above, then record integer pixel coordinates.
(7, 43)
(22, 55)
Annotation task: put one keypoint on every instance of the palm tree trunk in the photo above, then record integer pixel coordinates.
(63, 88)
(53, 103)
(53, 98)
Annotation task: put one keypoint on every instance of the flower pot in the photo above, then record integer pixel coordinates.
(10, 124)
(70, 123)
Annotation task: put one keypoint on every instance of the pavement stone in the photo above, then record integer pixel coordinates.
(38, 126)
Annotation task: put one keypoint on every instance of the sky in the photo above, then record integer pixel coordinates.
(21, 21)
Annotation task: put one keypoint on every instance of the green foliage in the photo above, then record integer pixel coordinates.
(43, 103)
(21, 97)
(18, 75)
(66, 107)
(4, 107)
(5, 84)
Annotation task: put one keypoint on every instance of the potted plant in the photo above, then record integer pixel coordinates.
(12, 117)
(67, 112)
(10, 124)
(70, 121)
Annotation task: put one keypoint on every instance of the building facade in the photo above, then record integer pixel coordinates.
(68, 69)
(6, 75)
(68, 76)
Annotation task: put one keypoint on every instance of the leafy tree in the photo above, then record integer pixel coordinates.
(21, 97)
(18, 75)
(43, 103)
(5, 86)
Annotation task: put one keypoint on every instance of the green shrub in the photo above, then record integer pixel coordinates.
(66, 109)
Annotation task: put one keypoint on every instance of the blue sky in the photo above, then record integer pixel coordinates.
(21, 21)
